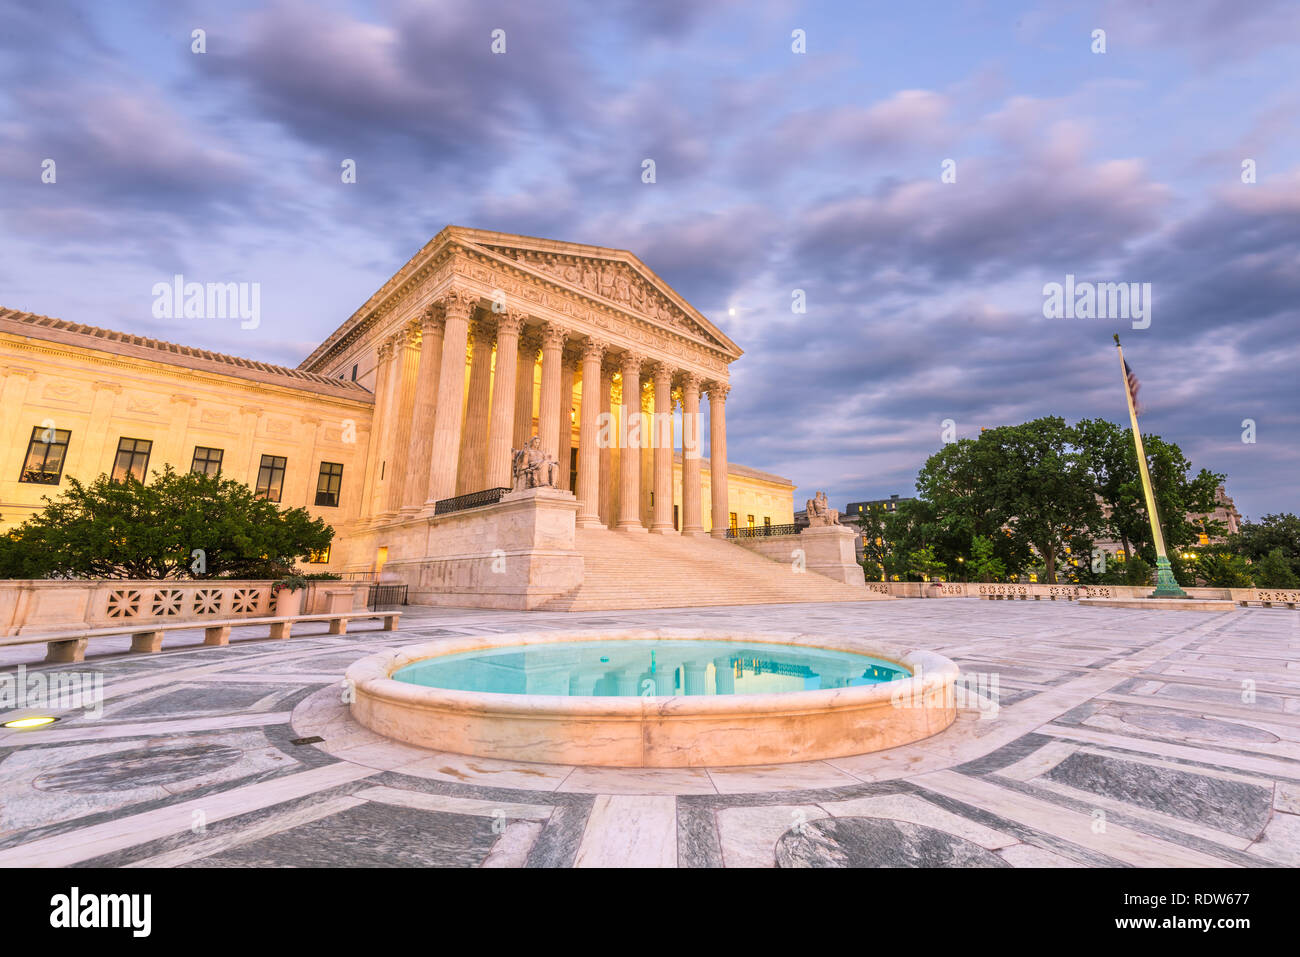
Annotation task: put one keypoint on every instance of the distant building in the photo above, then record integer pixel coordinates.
(1225, 511)
(854, 509)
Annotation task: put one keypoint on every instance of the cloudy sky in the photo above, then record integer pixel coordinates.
(818, 171)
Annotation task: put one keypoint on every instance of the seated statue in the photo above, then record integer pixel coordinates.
(534, 468)
(820, 511)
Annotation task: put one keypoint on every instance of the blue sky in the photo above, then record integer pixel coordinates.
(775, 171)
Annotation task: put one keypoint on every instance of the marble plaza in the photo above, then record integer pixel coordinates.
(1122, 738)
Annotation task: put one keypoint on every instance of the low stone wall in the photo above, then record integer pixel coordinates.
(826, 550)
(28, 606)
(1037, 592)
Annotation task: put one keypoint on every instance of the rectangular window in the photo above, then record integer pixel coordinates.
(733, 519)
(45, 454)
(319, 558)
(677, 517)
(767, 521)
(270, 477)
(206, 461)
(132, 459)
(749, 520)
(354, 373)
(329, 484)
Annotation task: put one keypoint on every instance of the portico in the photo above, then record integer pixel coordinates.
(484, 339)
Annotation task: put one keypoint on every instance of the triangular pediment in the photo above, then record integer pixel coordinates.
(613, 275)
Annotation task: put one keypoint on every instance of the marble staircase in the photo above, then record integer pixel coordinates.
(637, 570)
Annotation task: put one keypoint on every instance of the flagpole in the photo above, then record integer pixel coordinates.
(1166, 585)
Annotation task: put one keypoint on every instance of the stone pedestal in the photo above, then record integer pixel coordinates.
(338, 600)
(828, 550)
(516, 554)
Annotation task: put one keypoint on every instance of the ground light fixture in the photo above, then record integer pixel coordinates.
(27, 724)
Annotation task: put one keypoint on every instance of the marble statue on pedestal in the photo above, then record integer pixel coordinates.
(533, 467)
(820, 511)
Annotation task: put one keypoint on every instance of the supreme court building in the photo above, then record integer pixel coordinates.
(398, 429)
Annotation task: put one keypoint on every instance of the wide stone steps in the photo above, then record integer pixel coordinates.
(624, 570)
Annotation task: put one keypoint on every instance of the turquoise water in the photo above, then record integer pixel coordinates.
(631, 668)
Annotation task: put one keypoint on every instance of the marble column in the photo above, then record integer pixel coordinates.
(692, 509)
(718, 457)
(529, 343)
(382, 429)
(629, 486)
(502, 426)
(662, 443)
(564, 438)
(548, 413)
(406, 366)
(457, 307)
(605, 438)
(473, 439)
(426, 402)
(588, 488)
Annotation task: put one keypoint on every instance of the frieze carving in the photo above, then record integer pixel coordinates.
(60, 392)
(141, 406)
(660, 342)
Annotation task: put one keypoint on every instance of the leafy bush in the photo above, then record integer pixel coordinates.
(1274, 571)
(176, 526)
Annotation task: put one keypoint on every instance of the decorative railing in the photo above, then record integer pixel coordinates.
(55, 605)
(763, 531)
(488, 496)
(385, 596)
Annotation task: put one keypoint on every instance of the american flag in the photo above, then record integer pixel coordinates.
(1133, 385)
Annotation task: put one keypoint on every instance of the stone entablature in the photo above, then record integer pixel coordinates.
(535, 276)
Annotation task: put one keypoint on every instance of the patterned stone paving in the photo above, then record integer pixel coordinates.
(1123, 738)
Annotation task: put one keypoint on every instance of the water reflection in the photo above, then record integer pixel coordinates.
(659, 668)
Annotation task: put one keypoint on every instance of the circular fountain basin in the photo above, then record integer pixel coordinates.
(654, 698)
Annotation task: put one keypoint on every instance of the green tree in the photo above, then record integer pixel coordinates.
(1255, 540)
(1274, 571)
(875, 542)
(923, 564)
(1219, 568)
(984, 565)
(1039, 475)
(956, 503)
(1138, 571)
(175, 526)
(1112, 460)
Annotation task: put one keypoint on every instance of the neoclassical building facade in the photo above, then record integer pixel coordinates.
(410, 410)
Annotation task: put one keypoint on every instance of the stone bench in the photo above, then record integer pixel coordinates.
(70, 646)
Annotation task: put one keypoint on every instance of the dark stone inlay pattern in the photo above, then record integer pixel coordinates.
(145, 767)
(698, 843)
(1232, 806)
(369, 835)
(1182, 727)
(223, 698)
(557, 845)
(877, 842)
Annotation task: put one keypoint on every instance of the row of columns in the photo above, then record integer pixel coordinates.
(434, 438)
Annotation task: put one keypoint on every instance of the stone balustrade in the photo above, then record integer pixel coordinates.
(44, 605)
(1015, 591)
